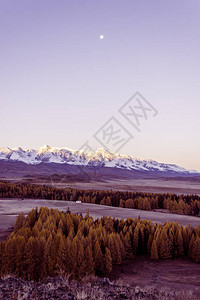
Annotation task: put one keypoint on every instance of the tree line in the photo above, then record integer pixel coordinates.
(180, 204)
(49, 242)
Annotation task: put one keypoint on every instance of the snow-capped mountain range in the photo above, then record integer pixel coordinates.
(100, 157)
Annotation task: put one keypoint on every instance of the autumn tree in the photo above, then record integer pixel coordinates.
(196, 250)
(107, 261)
(19, 222)
(154, 251)
(164, 245)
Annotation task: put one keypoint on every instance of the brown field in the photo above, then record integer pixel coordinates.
(176, 274)
(177, 185)
(160, 185)
(143, 185)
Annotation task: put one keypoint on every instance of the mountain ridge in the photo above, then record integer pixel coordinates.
(100, 157)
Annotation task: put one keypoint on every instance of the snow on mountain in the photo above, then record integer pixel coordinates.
(100, 157)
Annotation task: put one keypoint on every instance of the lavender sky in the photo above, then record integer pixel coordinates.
(59, 83)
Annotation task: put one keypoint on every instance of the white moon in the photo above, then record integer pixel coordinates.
(101, 37)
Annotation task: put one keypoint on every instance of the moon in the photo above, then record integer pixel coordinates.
(101, 37)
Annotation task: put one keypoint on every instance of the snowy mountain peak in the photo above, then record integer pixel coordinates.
(5, 150)
(44, 148)
(100, 157)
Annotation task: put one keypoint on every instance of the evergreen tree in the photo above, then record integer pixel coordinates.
(196, 250)
(128, 246)
(61, 257)
(164, 245)
(29, 259)
(154, 251)
(19, 222)
(136, 238)
(89, 260)
(191, 245)
(20, 252)
(107, 261)
(180, 243)
(9, 256)
(98, 257)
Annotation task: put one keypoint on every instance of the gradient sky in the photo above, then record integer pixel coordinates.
(59, 83)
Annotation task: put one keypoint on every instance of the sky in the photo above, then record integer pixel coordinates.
(60, 83)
